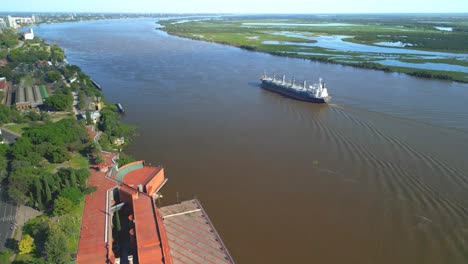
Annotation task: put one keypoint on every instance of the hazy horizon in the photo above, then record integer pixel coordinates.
(239, 7)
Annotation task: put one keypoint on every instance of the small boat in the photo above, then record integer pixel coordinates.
(120, 108)
(96, 85)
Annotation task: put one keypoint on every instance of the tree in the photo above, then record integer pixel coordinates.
(99, 159)
(5, 255)
(58, 155)
(56, 246)
(82, 100)
(88, 118)
(26, 245)
(62, 206)
(125, 159)
(57, 53)
(59, 102)
(20, 181)
(73, 194)
(54, 76)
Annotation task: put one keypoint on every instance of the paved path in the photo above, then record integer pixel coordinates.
(7, 220)
(9, 136)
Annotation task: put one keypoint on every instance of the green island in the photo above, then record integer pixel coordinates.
(46, 148)
(428, 46)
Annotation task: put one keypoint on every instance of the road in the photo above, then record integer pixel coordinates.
(7, 219)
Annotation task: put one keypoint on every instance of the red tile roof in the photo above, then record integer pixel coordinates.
(92, 246)
(140, 176)
(147, 234)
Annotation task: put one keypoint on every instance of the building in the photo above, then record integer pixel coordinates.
(2, 24)
(28, 97)
(11, 22)
(36, 19)
(29, 35)
(95, 115)
(42, 64)
(23, 20)
(123, 224)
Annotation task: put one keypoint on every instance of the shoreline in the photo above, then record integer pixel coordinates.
(419, 73)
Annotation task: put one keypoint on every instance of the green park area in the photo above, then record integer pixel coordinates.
(420, 45)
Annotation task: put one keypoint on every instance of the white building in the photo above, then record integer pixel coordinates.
(36, 19)
(29, 35)
(11, 22)
(2, 24)
(24, 20)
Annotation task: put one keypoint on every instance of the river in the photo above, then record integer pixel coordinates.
(378, 176)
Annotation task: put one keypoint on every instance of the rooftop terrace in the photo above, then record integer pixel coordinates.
(192, 237)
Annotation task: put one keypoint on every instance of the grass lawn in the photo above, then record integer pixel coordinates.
(18, 128)
(24, 258)
(79, 162)
(59, 116)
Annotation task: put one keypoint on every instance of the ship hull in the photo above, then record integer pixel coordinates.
(303, 96)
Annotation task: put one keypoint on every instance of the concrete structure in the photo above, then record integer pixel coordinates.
(15, 22)
(11, 22)
(191, 235)
(2, 24)
(8, 94)
(28, 97)
(29, 35)
(95, 115)
(122, 224)
(36, 18)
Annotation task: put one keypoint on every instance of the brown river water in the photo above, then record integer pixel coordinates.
(378, 176)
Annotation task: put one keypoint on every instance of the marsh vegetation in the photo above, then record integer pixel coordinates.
(420, 45)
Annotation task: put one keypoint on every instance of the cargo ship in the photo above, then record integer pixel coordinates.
(315, 93)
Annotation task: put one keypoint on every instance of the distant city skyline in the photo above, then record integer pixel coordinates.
(238, 6)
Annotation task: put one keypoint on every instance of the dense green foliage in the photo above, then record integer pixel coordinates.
(29, 181)
(8, 115)
(112, 128)
(59, 102)
(5, 255)
(125, 159)
(62, 206)
(8, 38)
(57, 53)
(56, 247)
(28, 55)
(53, 76)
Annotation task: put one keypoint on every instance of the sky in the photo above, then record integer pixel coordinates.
(237, 6)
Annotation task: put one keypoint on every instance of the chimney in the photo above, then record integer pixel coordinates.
(140, 188)
(130, 259)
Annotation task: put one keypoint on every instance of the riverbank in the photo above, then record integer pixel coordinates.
(378, 45)
(45, 166)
